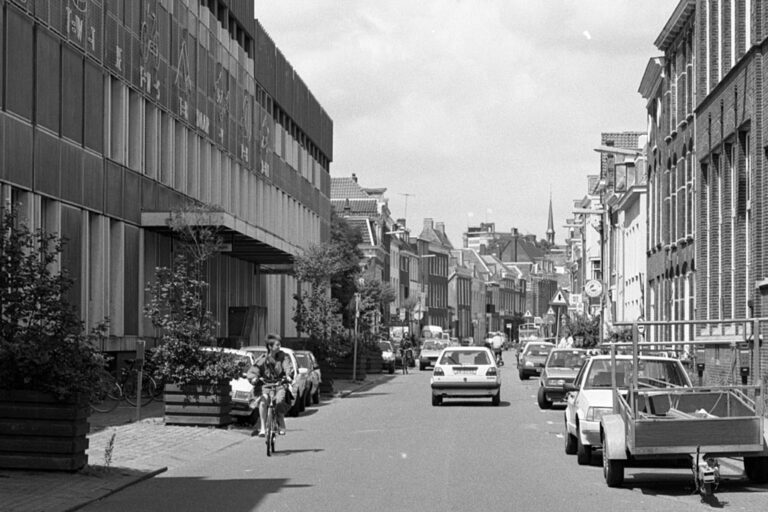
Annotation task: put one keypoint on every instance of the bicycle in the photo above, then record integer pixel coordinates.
(128, 378)
(108, 395)
(270, 425)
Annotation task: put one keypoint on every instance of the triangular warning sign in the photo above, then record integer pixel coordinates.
(551, 312)
(559, 299)
(528, 312)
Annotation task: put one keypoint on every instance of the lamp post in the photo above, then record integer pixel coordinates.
(354, 350)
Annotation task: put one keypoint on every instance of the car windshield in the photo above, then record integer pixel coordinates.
(465, 357)
(538, 349)
(429, 345)
(303, 360)
(566, 359)
(651, 373)
(385, 346)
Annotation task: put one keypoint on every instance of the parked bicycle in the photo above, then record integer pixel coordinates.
(108, 394)
(129, 384)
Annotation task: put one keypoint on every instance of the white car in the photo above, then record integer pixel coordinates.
(387, 355)
(430, 351)
(591, 395)
(299, 385)
(466, 372)
(241, 391)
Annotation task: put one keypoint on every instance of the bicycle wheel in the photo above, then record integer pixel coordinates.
(270, 433)
(148, 390)
(107, 399)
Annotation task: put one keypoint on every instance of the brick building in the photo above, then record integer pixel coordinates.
(113, 114)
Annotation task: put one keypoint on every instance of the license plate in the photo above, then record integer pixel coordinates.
(242, 395)
(464, 371)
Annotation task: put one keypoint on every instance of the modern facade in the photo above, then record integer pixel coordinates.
(115, 114)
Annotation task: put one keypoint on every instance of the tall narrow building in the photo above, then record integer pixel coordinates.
(550, 224)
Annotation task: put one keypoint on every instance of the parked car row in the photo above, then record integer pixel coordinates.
(305, 386)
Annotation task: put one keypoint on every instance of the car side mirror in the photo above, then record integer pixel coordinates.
(570, 387)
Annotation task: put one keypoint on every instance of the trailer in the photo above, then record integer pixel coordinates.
(652, 426)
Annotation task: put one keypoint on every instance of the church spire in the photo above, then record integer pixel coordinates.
(550, 223)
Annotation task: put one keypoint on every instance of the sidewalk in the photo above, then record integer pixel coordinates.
(140, 450)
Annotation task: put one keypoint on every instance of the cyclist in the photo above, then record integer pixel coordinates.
(497, 344)
(273, 367)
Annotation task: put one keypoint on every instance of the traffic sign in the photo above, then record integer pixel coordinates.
(551, 311)
(593, 288)
(528, 312)
(559, 299)
(418, 315)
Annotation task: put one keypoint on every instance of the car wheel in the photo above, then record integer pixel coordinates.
(307, 398)
(522, 375)
(570, 443)
(542, 398)
(437, 400)
(583, 451)
(421, 367)
(316, 396)
(756, 469)
(391, 369)
(613, 470)
(496, 399)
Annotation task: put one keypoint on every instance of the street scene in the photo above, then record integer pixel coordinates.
(436, 255)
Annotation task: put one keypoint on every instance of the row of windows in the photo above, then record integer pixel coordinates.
(728, 31)
(669, 300)
(672, 216)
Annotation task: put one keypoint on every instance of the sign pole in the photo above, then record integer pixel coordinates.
(140, 345)
(354, 350)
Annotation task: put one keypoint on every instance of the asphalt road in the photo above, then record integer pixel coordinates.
(388, 449)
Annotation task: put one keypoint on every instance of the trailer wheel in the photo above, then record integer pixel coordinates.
(756, 469)
(613, 470)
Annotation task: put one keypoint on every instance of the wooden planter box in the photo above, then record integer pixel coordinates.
(206, 405)
(38, 431)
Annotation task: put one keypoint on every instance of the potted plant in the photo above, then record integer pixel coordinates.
(48, 365)
(197, 390)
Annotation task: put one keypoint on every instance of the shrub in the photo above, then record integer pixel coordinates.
(43, 346)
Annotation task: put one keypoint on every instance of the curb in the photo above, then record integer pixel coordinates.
(140, 478)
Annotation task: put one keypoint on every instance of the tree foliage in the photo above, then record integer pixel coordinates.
(585, 330)
(345, 241)
(176, 307)
(43, 346)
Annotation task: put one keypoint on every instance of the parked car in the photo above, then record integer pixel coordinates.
(306, 359)
(299, 385)
(241, 391)
(465, 372)
(560, 369)
(430, 351)
(387, 355)
(532, 358)
(591, 395)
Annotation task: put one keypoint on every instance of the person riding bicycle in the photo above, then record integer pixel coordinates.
(497, 344)
(274, 367)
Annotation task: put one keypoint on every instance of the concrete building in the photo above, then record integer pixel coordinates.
(114, 114)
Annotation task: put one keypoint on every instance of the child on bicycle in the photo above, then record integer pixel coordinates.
(274, 366)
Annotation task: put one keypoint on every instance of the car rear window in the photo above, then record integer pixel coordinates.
(429, 345)
(538, 350)
(385, 346)
(566, 359)
(465, 357)
(303, 360)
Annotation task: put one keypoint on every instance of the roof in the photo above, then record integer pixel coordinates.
(675, 24)
(651, 77)
(365, 206)
(364, 226)
(343, 188)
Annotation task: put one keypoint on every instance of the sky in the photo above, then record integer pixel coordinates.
(471, 111)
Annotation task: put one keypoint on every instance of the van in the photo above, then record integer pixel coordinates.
(431, 332)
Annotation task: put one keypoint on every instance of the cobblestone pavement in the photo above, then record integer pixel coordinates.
(140, 450)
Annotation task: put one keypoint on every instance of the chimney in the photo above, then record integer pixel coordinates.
(440, 226)
(429, 223)
(354, 177)
(401, 223)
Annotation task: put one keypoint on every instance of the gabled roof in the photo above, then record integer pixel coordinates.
(430, 234)
(343, 188)
(364, 226)
(366, 206)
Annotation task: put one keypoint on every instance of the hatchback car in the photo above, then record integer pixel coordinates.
(387, 355)
(430, 351)
(591, 395)
(560, 369)
(532, 358)
(241, 391)
(465, 372)
(299, 385)
(306, 359)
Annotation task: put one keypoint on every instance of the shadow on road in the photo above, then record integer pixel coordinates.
(365, 395)
(280, 452)
(202, 494)
(675, 485)
(468, 403)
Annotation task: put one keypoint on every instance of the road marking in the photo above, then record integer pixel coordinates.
(559, 436)
(550, 422)
(404, 455)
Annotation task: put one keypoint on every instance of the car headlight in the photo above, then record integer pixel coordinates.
(529, 363)
(595, 413)
(555, 382)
